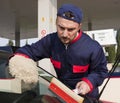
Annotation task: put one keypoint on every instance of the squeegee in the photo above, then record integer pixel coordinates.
(61, 90)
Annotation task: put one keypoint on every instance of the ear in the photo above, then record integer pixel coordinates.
(80, 26)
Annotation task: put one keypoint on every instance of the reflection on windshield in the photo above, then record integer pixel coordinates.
(46, 95)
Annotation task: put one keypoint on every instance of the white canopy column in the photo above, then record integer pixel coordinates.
(47, 10)
(46, 17)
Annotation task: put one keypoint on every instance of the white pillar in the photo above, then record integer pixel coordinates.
(47, 10)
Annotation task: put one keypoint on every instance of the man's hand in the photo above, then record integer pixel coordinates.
(24, 69)
(82, 88)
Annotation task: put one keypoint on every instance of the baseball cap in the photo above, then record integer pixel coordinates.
(70, 12)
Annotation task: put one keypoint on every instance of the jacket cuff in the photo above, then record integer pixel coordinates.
(24, 55)
(89, 83)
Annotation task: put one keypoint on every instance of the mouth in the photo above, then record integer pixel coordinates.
(65, 40)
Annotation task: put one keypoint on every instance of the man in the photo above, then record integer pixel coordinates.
(78, 60)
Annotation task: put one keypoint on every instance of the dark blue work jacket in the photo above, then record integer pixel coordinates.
(83, 59)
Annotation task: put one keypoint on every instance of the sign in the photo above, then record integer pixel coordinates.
(43, 33)
(104, 37)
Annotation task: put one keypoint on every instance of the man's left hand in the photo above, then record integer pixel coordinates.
(83, 87)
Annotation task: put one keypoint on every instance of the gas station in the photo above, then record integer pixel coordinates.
(23, 19)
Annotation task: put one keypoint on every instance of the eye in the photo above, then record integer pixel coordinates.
(71, 29)
(62, 28)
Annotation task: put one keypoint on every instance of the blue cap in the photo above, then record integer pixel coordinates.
(70, 12)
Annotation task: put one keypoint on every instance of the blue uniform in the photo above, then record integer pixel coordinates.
(82, 59)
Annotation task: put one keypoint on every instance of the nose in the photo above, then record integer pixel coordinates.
(65, 33)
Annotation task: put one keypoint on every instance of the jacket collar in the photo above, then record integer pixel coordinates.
(78, 37)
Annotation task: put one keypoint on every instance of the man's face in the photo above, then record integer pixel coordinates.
(67, 29)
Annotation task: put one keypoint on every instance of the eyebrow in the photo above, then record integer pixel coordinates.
(66, 28)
